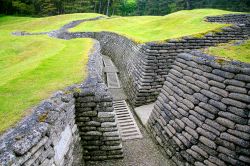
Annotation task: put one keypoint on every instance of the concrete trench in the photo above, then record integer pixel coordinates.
(173, 131)
(176, 134)
(139, 148)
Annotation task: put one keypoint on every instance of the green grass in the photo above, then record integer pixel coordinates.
(34, 67)
(157, 28)
(31, 24)
(228, 51)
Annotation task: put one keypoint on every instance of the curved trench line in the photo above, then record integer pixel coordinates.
(138, 86)
(63, 29)
(156, 124)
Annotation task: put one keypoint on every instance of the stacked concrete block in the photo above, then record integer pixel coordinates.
(127, 57)
(202, 115)
(135, 71)
(231, 18)
(160, 57)
(95, 115)
(97, 124)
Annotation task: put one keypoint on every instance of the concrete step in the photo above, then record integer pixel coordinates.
(110, 69)
(113, 80)
(143, 113)
(126, 122)
(107, 61)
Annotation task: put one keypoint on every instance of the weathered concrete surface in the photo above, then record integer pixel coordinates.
(63, 146)
(118, 94)
(143, 112)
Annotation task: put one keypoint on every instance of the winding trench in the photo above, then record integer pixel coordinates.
(154, 73)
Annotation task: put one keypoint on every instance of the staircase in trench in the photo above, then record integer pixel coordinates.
(126, 123)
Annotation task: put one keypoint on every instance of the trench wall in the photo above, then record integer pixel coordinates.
(68, 127)
(143, 68)
(95, 116)
(161, 56)
(202, 115)
(132, 65)
(136, 69)
(48, 136)
(230, 18)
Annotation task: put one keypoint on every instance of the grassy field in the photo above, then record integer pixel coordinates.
(31, 24)
(240, 52)
(157, 28)
(33, 67)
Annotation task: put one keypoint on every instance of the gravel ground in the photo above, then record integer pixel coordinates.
(137, 152)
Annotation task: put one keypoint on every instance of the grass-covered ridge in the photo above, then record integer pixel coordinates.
(157, 28)
(34, 67)
(231, 52)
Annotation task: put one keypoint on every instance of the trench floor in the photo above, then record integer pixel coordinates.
(137, 152)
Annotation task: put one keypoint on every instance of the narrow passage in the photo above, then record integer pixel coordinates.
(139, 148)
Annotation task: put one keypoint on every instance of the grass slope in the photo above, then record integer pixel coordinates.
(240, 52)
(157, 28)
(33, 67)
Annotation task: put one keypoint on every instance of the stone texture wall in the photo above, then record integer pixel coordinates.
(163, 55)
(95, 116)
(46, 137)
(136, 68)
(132, 64)
(231, 18)
(202, 115)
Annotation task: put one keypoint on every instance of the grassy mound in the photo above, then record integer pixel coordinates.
(33, 67)
(228, 51)
(157, 28)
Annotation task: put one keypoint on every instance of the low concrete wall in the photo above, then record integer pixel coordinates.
(46, 137)
(50, 136)
(202, 115)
